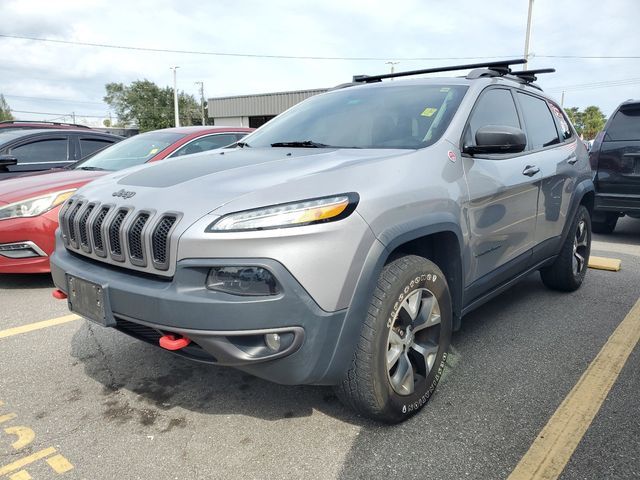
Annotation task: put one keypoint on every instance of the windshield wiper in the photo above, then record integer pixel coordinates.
(243, 144)
(301, 144)
(91, 168)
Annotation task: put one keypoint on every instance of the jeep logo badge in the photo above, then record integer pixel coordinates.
(123, 193)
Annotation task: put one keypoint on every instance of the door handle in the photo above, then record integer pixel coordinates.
(530, 170)
(572, 160)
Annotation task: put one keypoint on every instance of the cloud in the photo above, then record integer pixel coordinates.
(404, 28)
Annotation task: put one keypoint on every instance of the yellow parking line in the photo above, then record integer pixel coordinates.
(10, 332)
(23, 462)
(557, 441)
(604, 263)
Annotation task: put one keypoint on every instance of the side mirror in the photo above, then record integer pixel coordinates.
(7, 161)
(498, 139)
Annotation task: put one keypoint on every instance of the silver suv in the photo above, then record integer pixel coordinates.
(341, 243)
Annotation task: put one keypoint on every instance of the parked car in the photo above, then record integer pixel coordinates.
(7, 125)
(615, 155)
(29, 205)
(345, 240)
(32, 150)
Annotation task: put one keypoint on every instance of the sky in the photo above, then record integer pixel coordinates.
(58, 79)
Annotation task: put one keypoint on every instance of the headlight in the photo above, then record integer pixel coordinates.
(33, 207)
(295, 214)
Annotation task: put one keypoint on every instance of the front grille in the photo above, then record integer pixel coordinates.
(115, 240)
(132, 238)
(73, 238)
(82, 229)
(160, 241)
(136, 243)
(96, 230)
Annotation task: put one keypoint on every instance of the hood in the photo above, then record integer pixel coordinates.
(200, 184)
(29, 186)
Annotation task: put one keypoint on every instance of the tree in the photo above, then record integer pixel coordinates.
(148, 106)
(587, 122)
(5, 110)
(593, 120)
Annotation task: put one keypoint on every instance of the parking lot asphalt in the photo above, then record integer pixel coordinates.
(80, 401)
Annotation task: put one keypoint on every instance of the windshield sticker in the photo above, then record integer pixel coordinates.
(427, 112)
(153, 151)
(445, 89)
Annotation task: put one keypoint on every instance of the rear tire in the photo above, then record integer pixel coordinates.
(607, 225)
(570, 267)
(401, 351)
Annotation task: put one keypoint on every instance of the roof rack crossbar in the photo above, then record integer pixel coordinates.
(501, 67)
(531, 75)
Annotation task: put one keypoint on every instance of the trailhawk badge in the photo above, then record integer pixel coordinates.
(123, 193)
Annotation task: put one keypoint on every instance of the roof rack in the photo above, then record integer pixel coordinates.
(530, 76)
(11, 122)
(501, 67)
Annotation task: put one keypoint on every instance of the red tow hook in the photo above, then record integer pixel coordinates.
(59, 294)
(172, 342)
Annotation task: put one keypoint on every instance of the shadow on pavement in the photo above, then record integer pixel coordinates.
(627, 232)
(22, 281)
(163, 381)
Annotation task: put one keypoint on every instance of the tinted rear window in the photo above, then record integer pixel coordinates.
(541, 127)
(625, 125)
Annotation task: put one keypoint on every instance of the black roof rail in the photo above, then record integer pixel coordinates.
(500, 67)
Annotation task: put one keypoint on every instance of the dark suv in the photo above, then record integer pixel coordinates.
(616, 156)
(32, 150)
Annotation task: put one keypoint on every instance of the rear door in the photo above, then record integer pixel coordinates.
(503, 199)
(619, 158)
(40, 153)
(553, 148)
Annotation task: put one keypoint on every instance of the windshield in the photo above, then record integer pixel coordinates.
(130, 152)
(409, 116)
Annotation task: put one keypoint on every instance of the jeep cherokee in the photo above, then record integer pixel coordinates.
(342, 242)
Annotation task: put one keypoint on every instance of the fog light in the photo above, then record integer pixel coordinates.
(250, 281)
(273, 341)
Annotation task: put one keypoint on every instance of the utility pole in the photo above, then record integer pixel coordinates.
(562, 100)
(526, 40)
(73, 116)
(175, 96)
(392, 65)
(201, 99)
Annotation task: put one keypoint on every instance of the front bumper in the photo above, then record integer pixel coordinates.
(225, 329)
(38, 230)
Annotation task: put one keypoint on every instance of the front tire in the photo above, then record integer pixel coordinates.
(402, 347)
(568, 271)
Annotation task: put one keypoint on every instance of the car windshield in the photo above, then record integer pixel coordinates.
(130, 152)
(408, 116)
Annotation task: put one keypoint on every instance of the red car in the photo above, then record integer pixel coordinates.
(29, 204)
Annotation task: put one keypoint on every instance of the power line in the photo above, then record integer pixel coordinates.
(59, 114)
(603, 84)
(68, 100)
(301, 57)
(247, 55)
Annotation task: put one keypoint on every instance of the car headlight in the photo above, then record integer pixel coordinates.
(32, 207)
(295, 214)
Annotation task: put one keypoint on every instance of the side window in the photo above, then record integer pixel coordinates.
(205, 143)
(494, 107)
(91, 145)
(541, 128)
(42, 151)
(563, 123)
